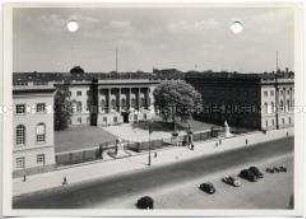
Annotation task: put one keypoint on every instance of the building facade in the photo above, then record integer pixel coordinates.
(255, 101)
(115, 102)
(33, 128)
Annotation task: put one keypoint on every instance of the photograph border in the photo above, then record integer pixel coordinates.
(300, 122)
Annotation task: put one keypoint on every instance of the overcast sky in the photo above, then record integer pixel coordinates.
(182, 38)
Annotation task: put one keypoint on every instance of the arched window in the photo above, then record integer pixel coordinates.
(142, 102)
(20, 135)
(272, 107)
(41, 132)
(281, 105)
(79, 107)
(288, 105)
(103, 104)
(133, 102)
(266, 107)
(113, 103)
(123, 102)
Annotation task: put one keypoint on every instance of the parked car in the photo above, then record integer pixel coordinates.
(256, 172)
(283, 168)
(208, 188)
(248, 175)
(145, 202)
(231, 181)
(270, 170)
(276, 169)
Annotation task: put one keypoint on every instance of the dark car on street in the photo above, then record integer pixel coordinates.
(208, 188)
(145, 202)
(256, 172)
(276, 169)
(248, 175)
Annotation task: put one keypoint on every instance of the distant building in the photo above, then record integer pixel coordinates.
(168, 74)
(260, 101)
(33, 128)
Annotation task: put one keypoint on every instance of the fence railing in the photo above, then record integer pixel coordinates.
(96, 152)
(84, 155)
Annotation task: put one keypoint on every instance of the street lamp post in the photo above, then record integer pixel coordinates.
(150, 131)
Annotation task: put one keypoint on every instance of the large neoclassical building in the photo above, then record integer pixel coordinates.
(33, 128)
(97, 100)
(111, 102)
(255, 101)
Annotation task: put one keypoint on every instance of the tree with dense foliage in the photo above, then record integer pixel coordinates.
(62, 108)
(177, 100)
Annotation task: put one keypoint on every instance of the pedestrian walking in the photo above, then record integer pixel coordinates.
(155, 154)
(24, 178)
(192, 147)
(246, 142)
(65, 182)
(217, 144)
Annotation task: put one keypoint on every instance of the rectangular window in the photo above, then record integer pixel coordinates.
(20, 162)
(41, 138)
(265, 93)
(40, 159)
(80, 120)
(272, 92)
(20, 109)
(41, 133)
(20, 135)
(40, 107)
(79, 93)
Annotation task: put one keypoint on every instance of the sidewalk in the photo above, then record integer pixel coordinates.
(103, 169)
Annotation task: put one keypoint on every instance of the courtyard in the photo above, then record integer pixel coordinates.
(78, 138)
(138, 132)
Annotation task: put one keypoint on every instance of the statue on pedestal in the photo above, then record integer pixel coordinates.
(226, 129)
(120, 149)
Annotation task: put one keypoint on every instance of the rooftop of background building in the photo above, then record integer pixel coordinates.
(78, 74)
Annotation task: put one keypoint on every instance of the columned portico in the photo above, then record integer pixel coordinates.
(129, 98)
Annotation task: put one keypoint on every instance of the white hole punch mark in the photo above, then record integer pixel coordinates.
(236, 27)
(72, 26)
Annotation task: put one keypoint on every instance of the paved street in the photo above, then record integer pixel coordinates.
(98, 194)
(271, 192)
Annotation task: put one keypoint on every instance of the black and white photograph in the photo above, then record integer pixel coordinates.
(153, 107)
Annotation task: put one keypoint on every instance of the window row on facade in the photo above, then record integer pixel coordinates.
(21, 134)
(281, 92)
(283, 120)
(20, 162)
(22, 109)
